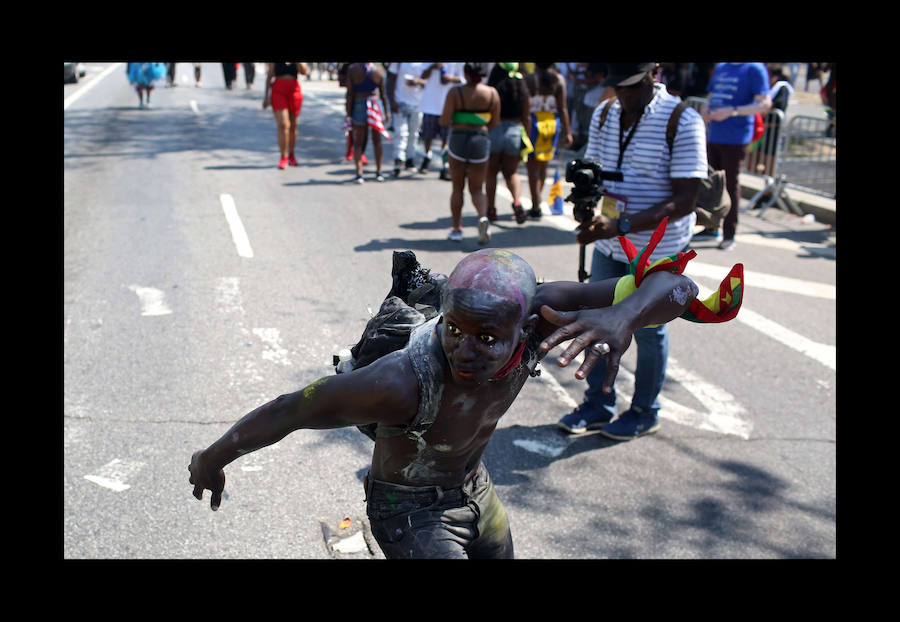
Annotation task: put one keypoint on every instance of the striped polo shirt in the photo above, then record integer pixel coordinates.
(647, 166)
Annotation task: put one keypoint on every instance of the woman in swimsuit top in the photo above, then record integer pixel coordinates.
(363, 79)
(470, 110)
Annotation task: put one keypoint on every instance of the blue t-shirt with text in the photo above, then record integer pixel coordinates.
(735, 84)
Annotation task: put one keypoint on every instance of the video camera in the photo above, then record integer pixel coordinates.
(586, 176)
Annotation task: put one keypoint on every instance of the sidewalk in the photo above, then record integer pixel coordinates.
(822, 208)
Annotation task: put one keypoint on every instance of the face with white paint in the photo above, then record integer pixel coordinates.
(485, 313)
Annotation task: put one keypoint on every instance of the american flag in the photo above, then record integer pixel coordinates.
(375, 118)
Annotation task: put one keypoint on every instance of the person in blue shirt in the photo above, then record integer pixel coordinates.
(737, 93)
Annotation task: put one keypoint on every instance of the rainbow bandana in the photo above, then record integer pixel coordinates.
(721, 306)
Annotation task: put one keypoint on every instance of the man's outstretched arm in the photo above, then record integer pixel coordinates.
(384, 392)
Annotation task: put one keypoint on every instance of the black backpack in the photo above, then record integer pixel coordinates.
(413, 300)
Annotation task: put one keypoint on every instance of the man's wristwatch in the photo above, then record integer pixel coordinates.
(734, 112)
(624, 225)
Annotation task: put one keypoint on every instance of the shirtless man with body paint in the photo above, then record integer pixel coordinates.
(434, 498)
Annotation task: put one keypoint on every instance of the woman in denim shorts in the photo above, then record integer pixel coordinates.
(470, 110)
(506, 138)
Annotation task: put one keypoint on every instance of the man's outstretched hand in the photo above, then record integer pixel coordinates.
(203, 477)
(585, 328)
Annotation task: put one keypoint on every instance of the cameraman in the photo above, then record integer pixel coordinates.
(628, 135)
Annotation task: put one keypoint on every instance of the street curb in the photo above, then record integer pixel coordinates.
(822, 208)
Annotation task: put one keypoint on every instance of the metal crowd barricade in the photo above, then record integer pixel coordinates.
(809, 155)
(764, 161)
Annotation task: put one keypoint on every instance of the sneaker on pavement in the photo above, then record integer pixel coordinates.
(727, 245)
(709, 234)
(409, 164)
(484, 230)
(445, 174)
(631, 424)
(582, 419)
(424, 167)
(455, 235)
(283, 163)
(535, 211)
(359, 179)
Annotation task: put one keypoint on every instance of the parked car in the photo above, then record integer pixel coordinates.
(72, 72)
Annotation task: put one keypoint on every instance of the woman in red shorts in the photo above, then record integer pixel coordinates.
(286, 99)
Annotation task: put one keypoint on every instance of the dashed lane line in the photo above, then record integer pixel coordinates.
(238, 234)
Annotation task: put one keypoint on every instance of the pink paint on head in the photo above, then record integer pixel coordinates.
(498, 272)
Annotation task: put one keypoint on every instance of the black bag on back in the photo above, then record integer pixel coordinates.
(414, 298)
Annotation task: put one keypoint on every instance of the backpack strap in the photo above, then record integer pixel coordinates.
(605, 112)
(672, 126)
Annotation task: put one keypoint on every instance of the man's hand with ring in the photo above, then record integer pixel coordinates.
(601, 348)
(596, 332)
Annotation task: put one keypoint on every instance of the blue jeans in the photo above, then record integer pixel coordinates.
(652, 353)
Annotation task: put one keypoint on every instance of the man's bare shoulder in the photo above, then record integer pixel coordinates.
(393, 386)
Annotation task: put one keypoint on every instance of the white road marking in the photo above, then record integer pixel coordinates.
(721, 412)
(89, 85)
(554, 386)
(228, 295)
(275, 352)
(762, 280)
(823, 353)
(238, 234)
(114, 474)
(152, 300)
(814, 247)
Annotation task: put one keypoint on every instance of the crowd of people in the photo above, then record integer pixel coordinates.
(435, 402)
(490, 118)
(535, 110)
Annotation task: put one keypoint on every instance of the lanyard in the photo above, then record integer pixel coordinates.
(623, 145)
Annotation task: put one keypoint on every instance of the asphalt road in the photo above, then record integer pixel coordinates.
(176, 326)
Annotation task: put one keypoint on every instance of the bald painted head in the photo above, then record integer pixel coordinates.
(485, 305)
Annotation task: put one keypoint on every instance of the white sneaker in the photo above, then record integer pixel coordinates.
(455, 235)
(727, 245)
(484, 230)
